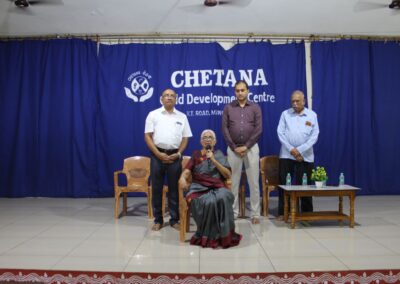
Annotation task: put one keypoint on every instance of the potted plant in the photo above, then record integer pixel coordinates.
(319, 176)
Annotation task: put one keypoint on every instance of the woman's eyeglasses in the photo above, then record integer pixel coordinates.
(207, 138)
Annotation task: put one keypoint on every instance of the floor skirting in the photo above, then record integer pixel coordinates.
(95, 277)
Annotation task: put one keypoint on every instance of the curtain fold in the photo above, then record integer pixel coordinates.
(47, 118)
(68, 117)
(354, 95)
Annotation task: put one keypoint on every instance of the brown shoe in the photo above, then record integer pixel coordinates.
(176, 226)
(255, 220)
(156, 227)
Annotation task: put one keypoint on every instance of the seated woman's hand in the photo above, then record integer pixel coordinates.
(183, 183)
(209, 154)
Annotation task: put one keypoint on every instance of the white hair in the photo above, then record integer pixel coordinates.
(208, 130)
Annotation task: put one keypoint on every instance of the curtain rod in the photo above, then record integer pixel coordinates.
(175, 37)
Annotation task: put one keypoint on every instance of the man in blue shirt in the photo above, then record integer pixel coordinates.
(298, 132)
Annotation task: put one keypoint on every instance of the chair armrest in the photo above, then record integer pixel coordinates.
(182, 191)
(228, 183)
(116, 174)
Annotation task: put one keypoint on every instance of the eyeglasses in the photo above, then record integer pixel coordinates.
(169, 96)
(207, 138)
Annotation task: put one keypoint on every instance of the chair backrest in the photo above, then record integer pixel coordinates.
(137, 169)
(269, 168)
(185, 160)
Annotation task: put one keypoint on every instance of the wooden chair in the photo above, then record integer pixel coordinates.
(184, 209)
(137, 172)
(185, 160)
(269, 169)
(242, 194)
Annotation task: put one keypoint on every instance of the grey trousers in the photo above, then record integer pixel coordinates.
(252, 166)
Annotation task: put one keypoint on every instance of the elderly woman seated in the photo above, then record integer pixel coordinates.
(210, 201)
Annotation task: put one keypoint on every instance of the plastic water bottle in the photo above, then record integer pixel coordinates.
(304, 180)
(341, 179)
(288, 179)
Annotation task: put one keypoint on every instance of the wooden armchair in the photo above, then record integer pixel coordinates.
(184, 210)
(269, 169)
(137, 172)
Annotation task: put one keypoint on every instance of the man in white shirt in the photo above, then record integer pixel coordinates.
(167, 132)
(298, 132)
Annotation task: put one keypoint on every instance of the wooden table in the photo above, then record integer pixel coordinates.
(295, 191)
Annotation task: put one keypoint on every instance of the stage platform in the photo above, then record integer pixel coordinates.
(82, 234)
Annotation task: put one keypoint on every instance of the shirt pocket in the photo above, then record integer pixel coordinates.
(307, 130)
(178, 128)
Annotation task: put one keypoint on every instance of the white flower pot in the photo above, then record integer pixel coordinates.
(319, 183)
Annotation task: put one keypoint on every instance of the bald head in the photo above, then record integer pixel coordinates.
(298, 101)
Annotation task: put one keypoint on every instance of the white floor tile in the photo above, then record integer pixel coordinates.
(28, 261)
(247, 248)
(355, 247)
(172, 264)
(315, 263)
(297, 248)
(391, 243)
(154, 247)
(105, 248)
(82, 234)
(229, 264)
(10, 243)
(20, 230)
(93, 263)
(44, 246)
(381, 231)
(121, 231)
(372, 262)
(337, 233)
(69, 231)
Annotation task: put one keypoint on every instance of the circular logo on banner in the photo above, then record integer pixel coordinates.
(140, 86)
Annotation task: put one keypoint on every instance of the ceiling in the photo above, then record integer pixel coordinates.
(233, 17)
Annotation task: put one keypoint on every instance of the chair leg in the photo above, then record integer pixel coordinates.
(164, 198)
(182, 231)
(150, 202)
(265, 201)
(116, 205)
(149, 206)
(187, 220)
(267, 204)
(242, 201)
(125, 203)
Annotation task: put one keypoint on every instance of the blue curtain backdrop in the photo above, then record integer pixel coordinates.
(355, 93)
(133, 76)
(47, 118)
(385, 74)
(68, 118)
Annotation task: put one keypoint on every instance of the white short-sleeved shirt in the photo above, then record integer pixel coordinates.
(168, 128)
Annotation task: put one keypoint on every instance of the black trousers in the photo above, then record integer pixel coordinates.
(158, 172)
(296, 170)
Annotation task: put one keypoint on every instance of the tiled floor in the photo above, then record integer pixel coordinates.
(81, 234)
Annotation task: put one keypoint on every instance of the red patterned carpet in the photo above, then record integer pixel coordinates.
(86, 277)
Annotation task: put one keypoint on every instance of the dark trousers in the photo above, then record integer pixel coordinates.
(158, 172)
(296, 170)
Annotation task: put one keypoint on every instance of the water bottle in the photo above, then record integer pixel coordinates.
(288, 179)
(341, 179)
(304, 180)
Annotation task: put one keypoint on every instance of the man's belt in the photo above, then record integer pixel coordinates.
(168, 151)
